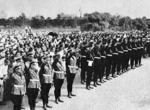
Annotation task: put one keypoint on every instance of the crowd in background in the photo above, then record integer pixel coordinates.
(34, 61)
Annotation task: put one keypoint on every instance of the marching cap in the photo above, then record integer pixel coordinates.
(44, 56)
(17, 65)
(34, 61)
(18, 57)
(30, 54)
(90, 44)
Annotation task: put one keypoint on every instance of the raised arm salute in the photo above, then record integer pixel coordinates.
(59, 75)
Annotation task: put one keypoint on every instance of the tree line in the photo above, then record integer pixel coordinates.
(89, 22)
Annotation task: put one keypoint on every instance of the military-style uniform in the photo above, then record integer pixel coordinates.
(120, 58)
(18, 89)
(72, 70)
(90, 67)
(33, 87)
(114, 58)
(125, 57)
(103, 61)
(129, 52)
(141, 52)
(136, 53)
(83, 64)
(46, 79)
(108, 61)
(97, 61)
(59, 75)
(133, 54)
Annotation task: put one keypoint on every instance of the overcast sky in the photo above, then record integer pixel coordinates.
(132, 8)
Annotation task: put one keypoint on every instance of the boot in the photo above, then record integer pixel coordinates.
(56, 101)
(60, 100)
(95, 84)
(48, 106)
(73, 94)
(44, 107)
(87, 87)
(69, 95)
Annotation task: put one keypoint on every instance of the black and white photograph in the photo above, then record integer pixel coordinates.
(74, 54)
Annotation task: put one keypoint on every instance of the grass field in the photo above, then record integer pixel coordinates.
(54, 29)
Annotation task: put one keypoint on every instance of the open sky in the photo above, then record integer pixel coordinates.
(132, 8)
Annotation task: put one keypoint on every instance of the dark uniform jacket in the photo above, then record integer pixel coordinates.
(90, 58)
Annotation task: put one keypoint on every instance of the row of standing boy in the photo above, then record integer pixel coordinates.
(109, 56)
(27, 77)
(95, 58)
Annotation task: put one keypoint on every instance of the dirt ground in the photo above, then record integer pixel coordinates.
(129, 91)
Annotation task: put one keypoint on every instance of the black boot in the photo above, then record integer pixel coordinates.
(87, 87)
(56, 101)
(48, 106)
(44, 107)
(95, 84)
(69, 95)
(60, 100)
(73, 94)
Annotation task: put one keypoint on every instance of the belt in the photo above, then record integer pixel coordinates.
(139, 47)
(115, 53)
(73, 66)
(129, 49)
(120, 52)
(103, 56)
(59, 72)
(34, 80)
(47, 75)
(125, 50)
(97, 57)
(83, 56)
(134, 48)
(89, 61)
(21, 86)
(109, 55)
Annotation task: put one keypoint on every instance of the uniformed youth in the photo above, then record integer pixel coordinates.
(18, 89)
(133, 53)
(33, 85)
(90, 66)
(97, 61)
(103, 60)
(59, 75)
(120, 57)
(114, 57)
(83, 63)
(108, 59)
(46, 79)
(72, 69)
